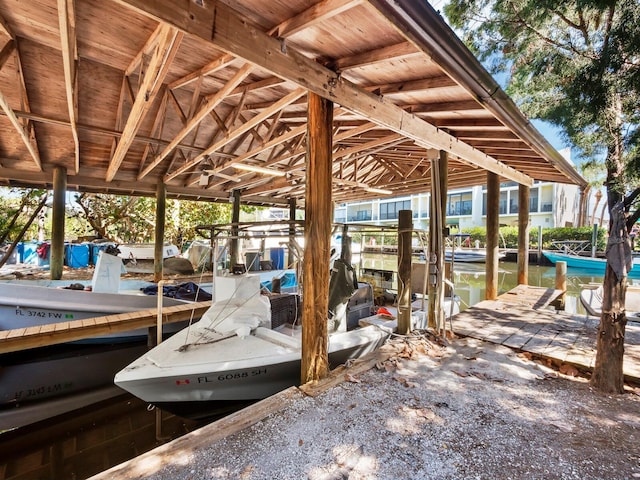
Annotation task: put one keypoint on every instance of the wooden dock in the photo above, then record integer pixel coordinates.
(518, 319)
(61, 332)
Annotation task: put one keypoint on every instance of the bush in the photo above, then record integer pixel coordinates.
(509, 236)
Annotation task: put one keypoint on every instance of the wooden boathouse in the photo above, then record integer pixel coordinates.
(266, 103)
(293, 103)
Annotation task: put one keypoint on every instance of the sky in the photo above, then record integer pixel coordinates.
(550, 132)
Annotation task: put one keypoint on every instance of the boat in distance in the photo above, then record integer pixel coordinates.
(594, 264)
(591, 299)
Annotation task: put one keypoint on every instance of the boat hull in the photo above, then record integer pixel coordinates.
(262, 367)
(592, 264)
(23, 306)
(37, 375)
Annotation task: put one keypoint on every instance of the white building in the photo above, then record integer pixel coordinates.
(550, 205)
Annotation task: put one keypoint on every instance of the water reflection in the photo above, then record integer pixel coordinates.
(469, 279)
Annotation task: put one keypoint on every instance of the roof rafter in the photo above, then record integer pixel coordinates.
(210, 103)
(233, 134)
(166, 47)
(314, 14)
(25, 130)
(67, 21)
(372, 57)
(224, 28)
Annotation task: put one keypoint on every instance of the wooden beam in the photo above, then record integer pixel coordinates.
(413, 86)
(167, 46)
(493, 235)
(224, 28)
(7, 51)
(375, 56)
(208, 69)
(4, 104)
(58, 216)
(317, 236)
(67, 21)
(316, 13)
(283, 102)
(26, 130)
(210, 103)
(523, 234)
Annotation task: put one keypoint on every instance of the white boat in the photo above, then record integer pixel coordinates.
(591, 298)
(469, 255)
(591, 264)
(232, 355)
(34, 377)
(24, 306)
(145, 251)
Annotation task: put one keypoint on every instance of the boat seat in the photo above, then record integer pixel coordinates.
(278, 338)
(388, 325)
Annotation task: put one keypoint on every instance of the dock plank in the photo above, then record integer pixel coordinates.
(61, 332)
(516, 320)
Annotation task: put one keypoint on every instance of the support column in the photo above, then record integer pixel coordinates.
(292, 232)
(493, 234)
(161, 209)
(405, 232)
(523, 234)
(317, 234)
(56, 254)
(436, 244)
(235, 219)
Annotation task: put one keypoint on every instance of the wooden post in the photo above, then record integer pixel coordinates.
(493, 234)
(539, 244)
(235, 218)
(292, 232)
(345, 243)
(444, 188)
(561, 283)
(523, 234)
(405, 232)
(435, 262)
(317, 234)
(161, 209)
(56, 259)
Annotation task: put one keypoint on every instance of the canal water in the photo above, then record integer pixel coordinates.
(84, 442)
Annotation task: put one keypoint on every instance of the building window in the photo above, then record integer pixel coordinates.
(459, 204)
(503, 203)
(533, 200)
(513, 202)
(389, 210)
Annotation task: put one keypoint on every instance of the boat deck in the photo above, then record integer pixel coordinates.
(518, 319)
(54, 333)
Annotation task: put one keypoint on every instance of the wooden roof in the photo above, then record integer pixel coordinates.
(128, 93)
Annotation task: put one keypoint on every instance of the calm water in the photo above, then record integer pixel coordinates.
(469, 279)
(82, 443)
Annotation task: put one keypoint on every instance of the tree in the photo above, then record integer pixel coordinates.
(17, 205)
(576, 63)
(125, 219)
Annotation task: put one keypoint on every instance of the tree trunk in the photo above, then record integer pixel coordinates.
(607, 373)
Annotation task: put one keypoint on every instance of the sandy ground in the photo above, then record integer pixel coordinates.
(471, 410)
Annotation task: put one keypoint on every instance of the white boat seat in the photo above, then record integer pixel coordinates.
(278, 338)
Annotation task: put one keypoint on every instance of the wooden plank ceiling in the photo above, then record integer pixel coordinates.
(129, 93)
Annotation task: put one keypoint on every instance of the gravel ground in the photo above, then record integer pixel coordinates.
(471, 410)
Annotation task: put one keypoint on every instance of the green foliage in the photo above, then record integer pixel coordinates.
(572, 63)
(17, 206)
(509, 236)
(126, 219)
